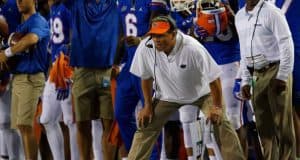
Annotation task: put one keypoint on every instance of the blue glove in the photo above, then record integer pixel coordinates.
(184, 24)
(200, 32)
(237, 89)
(62, 94)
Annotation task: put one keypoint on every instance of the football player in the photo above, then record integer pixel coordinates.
(215, 29)
(9, 138)
(94, 40)
(57, 95)
(29, 73)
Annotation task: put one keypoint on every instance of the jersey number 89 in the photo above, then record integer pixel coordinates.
(57, 33)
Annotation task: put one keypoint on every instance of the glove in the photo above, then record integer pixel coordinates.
(62, 94)
(237, 89)
(199, 32)
(184, 24)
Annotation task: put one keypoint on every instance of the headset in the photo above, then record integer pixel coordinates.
(149, 45)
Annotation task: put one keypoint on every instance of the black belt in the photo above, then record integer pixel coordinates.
(263, 69)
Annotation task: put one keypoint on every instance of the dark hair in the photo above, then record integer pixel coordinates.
(168, 19)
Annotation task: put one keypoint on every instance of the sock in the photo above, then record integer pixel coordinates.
(55, 140)
(73, 141)
(97, 131)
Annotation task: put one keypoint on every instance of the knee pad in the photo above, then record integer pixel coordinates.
(188, 113)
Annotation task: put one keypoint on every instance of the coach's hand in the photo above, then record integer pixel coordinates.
(246, 92)
(279, 85)
(145, 116)
(200, 33)
(132, 41)
(215, 115)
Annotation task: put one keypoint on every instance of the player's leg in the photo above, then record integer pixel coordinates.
(13, 141)
(86, 90)
(4, 122)
(97, 131)
(25, 95)
(188, 114)
(3, 150)
(125, 105)
(68, 118)
(83, 93)
(50, 117)
(172, 137)
(106, 114)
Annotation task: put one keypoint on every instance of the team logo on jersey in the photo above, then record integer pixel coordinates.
(183, 66)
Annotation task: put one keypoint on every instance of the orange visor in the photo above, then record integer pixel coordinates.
(159, 27)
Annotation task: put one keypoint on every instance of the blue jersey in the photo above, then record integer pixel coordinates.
(60, 24)
(36, 60)
(242, 3)
(135, 19)
(95, 32)
(224, 52)
(292, 13)
(10, 11)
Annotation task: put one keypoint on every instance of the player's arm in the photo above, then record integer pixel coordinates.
(25, 42)
(119, 56)
(4, 30)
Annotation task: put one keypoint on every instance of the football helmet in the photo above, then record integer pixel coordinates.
(212, 16)
(182, 5)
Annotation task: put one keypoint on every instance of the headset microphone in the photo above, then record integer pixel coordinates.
(147, 44)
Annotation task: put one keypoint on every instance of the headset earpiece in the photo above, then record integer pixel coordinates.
(147, 44)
